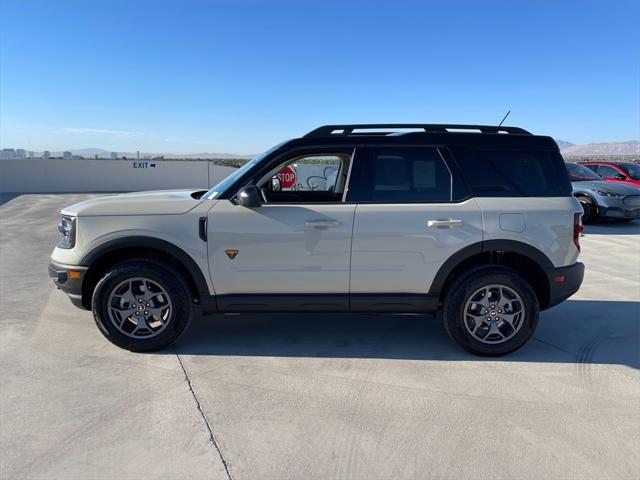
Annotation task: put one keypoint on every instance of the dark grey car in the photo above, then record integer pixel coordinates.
(603, 199)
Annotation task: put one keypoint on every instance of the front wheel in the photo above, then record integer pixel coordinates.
(141, 305)
(490, 311)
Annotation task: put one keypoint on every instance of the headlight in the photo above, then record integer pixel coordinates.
(607, 193)
(67, 229)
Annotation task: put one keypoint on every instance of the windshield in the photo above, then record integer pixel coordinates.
(228, 181)
(632, 170)
(580, 173)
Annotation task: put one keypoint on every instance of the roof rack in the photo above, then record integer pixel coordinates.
(348, 130)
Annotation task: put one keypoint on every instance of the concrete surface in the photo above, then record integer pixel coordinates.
(315, 396)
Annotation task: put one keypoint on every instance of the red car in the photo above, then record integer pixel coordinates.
(621, 172)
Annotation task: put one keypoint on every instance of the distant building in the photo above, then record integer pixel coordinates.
(7, 153)
(138, 155)
(21, 153)
(46, 154)
(32, 154)
(67, 154)
(114, 155)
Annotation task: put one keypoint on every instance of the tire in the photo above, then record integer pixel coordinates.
(465, 296)
(166, 308)
(590, 209)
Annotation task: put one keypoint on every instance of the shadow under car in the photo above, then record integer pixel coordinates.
(576, 331)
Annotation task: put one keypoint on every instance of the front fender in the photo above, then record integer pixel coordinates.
(156, 244)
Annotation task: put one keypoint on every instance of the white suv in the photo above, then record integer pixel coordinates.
(476, 221)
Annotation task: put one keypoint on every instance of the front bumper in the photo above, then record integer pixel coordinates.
(627, 207)
(564, 282)
(69, 278)
(615, 212)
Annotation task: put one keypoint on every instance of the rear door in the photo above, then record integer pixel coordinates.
(413, 213)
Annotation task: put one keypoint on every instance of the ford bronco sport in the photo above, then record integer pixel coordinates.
(477, 222)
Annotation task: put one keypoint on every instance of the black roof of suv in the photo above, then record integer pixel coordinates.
(483, 155)
(482, 136)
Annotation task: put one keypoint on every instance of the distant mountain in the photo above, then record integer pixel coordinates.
(631, 147)
(209, 155)
(86, 152)
(101, 152)
(564, 144)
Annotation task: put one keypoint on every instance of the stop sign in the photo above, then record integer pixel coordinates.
(287, 177)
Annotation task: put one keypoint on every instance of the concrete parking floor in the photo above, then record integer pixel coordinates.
(315, 396)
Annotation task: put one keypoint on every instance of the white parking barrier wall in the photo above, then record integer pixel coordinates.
(82, 175)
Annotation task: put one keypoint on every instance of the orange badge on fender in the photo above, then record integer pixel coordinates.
(231, 253)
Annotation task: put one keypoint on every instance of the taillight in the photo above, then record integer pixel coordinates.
(578, 228)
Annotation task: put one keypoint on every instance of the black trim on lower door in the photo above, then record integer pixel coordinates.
(394, 302)
(250, 302)
(363, 303)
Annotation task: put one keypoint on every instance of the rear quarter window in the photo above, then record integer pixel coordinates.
(513, 173)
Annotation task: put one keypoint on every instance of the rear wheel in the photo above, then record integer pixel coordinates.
(590, 209)
(490, 311)
(142, 306)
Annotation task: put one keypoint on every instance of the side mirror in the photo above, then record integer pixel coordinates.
(249, 197)
(619, 176)
(276, 186)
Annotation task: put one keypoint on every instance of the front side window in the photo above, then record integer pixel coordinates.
(402, 175)
(633, 171)
(317, 173)
(311, 178)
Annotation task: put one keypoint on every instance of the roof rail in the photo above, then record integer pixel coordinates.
(348, 130)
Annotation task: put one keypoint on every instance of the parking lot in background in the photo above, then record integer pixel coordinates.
(315, 396)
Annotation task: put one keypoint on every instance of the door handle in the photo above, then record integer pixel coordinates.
(444, 223)
(321, 224)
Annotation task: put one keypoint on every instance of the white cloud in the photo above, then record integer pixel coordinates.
(190, 142)
(127, 134)
(103, 131)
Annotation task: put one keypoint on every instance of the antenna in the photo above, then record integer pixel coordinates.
(504, 118)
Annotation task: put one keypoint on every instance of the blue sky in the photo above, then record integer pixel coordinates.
(239, 76)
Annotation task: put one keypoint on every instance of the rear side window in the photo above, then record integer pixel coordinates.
(513, 173)
(401, 175)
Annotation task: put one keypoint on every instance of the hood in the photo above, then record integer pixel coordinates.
(160, 202)
(614, 187)
(628, 181)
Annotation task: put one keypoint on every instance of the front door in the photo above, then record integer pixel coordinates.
(291, 253)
